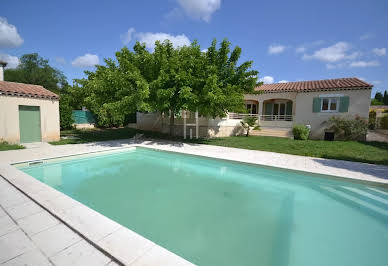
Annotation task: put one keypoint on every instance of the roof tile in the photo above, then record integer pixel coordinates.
(315, 85)
(26, 90)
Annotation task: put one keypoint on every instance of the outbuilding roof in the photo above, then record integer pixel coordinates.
(25, 90)
(316, 85)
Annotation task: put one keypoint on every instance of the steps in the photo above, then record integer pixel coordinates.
(273, 132)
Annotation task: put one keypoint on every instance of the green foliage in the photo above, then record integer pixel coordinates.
(5, 146)
(385, 98)
(34, 69)
(384, 122)
(376, 102)
(372, 120)
(117, 89)
(248, 122)
(65, 112)
(167, 80)
(301, 132)
(349, 128)
(385, 111)
(379, 96)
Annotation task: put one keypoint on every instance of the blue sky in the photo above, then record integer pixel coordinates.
(287, 40)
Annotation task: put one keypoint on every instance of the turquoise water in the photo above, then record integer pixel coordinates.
(214, 212)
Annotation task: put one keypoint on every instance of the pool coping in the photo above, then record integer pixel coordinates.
(120, 243)
(123, 245)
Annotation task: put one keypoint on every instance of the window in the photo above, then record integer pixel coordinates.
(251, 108)
(329, 104)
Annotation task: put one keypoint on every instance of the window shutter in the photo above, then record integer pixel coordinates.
(344, 104)
(316, 105)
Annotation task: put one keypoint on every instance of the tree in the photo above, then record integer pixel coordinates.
(210, 82)
(247, 123)
(116, 89)
(379, 96)
(385, 98)
(168, 80)
(65, 112)
(34, 69)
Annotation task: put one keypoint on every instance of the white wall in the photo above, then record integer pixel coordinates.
(359, 101)
(9, 117)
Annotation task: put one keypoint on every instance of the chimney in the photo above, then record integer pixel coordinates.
(2, 66)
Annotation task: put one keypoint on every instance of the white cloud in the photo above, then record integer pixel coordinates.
(127, 37)
(300, 49)
(276, 49)
(379, 51)
(283, 81)
(12, 61)
(60, 60)
(366, 36)
(376, 82)
(267, 80)
(87, 60)
(364, 63)
(334, 53)
(200, 9)
(204, 50)
(9, 36)
(150, 38)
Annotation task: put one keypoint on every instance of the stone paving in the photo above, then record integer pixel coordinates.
(29, 235)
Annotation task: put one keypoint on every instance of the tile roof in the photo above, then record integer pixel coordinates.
(26, 90)
(316, 85)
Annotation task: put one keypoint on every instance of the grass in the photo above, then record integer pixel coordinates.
(76, 136)
(357, 151)
(5, 146)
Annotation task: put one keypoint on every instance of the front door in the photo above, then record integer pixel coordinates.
(29, 123)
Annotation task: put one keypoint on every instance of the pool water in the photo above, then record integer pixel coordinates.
(214, 212)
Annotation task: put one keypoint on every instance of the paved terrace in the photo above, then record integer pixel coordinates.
(29, 234)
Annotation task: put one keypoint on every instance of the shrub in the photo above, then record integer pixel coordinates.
(248, 122)
(65, 112)
(372, 120)
(384, 122)
(349, 129)
(385, 111)
(301, 132)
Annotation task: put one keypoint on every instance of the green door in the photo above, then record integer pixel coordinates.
(29, 123)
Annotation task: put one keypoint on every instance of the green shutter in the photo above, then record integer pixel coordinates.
(316, 105)
(344, 104)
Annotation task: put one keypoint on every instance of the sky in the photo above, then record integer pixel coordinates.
(286, 40)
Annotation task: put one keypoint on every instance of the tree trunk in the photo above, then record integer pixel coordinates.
(172, 124)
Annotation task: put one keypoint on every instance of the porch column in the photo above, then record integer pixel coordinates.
(260, 107)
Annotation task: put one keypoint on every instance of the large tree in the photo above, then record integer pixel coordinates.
(34, 69)
(210, 82)
(116, 89)
(168, 80)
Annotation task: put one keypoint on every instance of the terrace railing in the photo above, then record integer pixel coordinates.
(262, 117)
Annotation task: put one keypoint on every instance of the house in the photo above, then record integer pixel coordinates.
(28, 113)
(278, 107)
(282, 105)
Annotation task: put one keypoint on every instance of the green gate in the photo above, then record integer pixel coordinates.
(29, 123)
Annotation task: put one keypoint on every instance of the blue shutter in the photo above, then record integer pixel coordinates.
(316, 105)
(344, 104)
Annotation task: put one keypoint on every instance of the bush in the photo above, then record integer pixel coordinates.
(372, 120)
(301, 132)
(65, 112)
(349, 129)
(384, 122)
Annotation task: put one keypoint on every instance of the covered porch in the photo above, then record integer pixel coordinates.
(269, 113)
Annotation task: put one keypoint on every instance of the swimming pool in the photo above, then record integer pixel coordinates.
(214, 212)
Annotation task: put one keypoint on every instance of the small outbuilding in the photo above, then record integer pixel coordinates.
(28, 113)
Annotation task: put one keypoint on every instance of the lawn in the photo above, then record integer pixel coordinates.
(4, 146)
(368, 152)
(358, 151)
